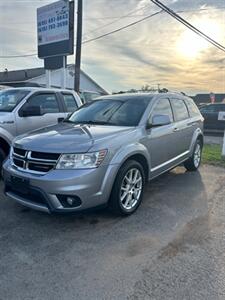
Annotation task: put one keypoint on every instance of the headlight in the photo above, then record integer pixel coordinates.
(81, 161)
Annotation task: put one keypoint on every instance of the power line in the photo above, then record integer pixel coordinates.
(125, 16)
(122, 28)
(117, 20)
(164, 8)
(98, 37)
(18, 56)
(188, 25)
(130, 15)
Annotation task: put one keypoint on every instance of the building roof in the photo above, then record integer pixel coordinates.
(24, 77)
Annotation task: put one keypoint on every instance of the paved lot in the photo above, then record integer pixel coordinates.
(172, 248)
(214, 139)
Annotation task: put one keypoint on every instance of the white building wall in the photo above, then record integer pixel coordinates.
(86, 84)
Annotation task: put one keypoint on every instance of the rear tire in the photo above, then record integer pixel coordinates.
(194, 162)
(2, 158)
(128, 188)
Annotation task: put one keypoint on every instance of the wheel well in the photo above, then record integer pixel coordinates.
(200, 138)
(4, 146)
(143, 161)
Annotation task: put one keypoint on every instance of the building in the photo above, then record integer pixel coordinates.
(36, 77)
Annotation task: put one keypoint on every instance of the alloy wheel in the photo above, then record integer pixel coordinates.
(197, 155)
(131, 189)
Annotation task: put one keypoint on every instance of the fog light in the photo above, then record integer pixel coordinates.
(70, 200)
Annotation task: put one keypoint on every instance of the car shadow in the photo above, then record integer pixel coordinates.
(166, 199)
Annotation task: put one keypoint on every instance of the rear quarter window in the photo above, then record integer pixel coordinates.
(192, 108)
(70, 102)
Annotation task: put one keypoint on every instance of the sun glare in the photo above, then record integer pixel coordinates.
(190, 44)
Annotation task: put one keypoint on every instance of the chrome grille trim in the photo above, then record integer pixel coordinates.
(30, 163)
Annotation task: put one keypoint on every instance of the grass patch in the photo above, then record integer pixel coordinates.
(212, 155)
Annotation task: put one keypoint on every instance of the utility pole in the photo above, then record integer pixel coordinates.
(78, 45)
(158, 87)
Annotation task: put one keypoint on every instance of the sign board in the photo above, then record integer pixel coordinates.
(221, 116)
(54, 62)
(55, 29)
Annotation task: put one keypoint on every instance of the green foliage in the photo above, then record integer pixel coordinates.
(212, 154)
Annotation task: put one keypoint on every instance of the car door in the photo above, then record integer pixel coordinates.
(218, 124)
(210, 115)
(160, 139)
(183, 132)
(51, 112)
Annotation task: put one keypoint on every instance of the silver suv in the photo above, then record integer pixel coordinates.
(26, 109)
(105, 153)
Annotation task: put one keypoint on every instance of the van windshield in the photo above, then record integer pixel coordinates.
(10, 98)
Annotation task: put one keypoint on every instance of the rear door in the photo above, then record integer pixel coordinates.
(51, 110)
(183, 131)
(220, 124)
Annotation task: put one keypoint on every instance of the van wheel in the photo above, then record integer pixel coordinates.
(128, 188)
(193, 163)
(2, 158)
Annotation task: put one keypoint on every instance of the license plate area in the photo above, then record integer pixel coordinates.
(20, 185)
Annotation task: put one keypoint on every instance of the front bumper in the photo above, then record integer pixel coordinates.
(91, 186)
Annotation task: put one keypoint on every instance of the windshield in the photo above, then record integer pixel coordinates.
(10, 98)
(111, 112)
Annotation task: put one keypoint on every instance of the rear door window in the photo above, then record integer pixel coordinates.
(70, 102)
(180, 109)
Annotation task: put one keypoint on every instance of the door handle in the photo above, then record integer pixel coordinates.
(60, 120)
(191, 124)
(175, 129)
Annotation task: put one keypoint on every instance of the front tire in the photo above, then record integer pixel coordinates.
(2, 158)
(128, 188)
(194, 162)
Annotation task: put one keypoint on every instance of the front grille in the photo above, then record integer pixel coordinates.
(35, 162)
(20, 152)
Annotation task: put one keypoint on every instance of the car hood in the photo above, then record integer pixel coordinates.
(4, 115)
(68, 138)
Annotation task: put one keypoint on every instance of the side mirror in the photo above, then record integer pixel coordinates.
(159, 120)
(31, 111)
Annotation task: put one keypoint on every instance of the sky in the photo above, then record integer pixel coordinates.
(157, 51)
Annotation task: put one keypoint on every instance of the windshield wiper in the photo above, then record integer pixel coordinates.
(67, 121)
(98, 123)
(89, 122)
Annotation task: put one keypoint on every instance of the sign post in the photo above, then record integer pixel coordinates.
(78, 46)
(221, 117)
(48, 78)
(63, 83)
(55, 26)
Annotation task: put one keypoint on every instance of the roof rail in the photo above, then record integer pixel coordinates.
(175, 92)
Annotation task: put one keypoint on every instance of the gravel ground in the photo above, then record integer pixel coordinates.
(171, 248)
